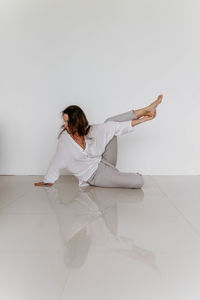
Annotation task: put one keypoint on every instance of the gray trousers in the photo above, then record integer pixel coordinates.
(107, 175)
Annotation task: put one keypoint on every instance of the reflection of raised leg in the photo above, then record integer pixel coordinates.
(128, 248)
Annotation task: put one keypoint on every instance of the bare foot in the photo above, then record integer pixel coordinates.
(154, 104)
(150, 109)
(149, 115)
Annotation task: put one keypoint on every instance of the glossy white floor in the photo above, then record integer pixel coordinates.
(98, 243)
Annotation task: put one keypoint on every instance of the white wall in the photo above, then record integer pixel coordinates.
(108, 57)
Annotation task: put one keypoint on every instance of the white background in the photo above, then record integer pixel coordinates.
(107, 57)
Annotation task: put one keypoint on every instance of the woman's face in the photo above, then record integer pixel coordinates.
(66, 118)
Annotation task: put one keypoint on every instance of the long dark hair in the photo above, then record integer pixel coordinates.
(76, 120)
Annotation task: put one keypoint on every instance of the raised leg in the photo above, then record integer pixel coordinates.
(110, 153)
(129, 115)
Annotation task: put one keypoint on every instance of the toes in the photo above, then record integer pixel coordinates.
(160, 98)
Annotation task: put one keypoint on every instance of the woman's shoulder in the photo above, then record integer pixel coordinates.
(62, 135)
(63, 138)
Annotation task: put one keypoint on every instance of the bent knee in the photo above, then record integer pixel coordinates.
(109, 119)
(139, 182)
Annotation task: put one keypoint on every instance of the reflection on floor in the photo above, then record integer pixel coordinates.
(65, 242)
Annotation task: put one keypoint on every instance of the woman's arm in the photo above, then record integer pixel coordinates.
(56, 164)
(52, 173)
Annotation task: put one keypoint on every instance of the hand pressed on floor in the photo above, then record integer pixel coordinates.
(43, 184)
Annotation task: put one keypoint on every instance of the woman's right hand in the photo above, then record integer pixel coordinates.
(43, 184)
(144, 119)
(147, 118)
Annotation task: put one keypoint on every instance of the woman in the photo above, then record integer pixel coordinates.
(89, 152)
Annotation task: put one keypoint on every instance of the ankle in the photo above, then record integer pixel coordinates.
(140, 112)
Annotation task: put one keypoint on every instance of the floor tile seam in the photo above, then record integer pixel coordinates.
(11, 252)
(68, 273)
(196, 231)
(24, 213)
(17, 197)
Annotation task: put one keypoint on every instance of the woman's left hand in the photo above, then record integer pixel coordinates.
(43, 184)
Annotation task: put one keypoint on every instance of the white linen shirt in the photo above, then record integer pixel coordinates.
(79, 162)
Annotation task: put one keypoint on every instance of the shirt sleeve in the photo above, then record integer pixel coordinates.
(113, 128)
(55, 166)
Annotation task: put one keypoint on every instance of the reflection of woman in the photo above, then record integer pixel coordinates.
(85, 222)
(90, 151)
